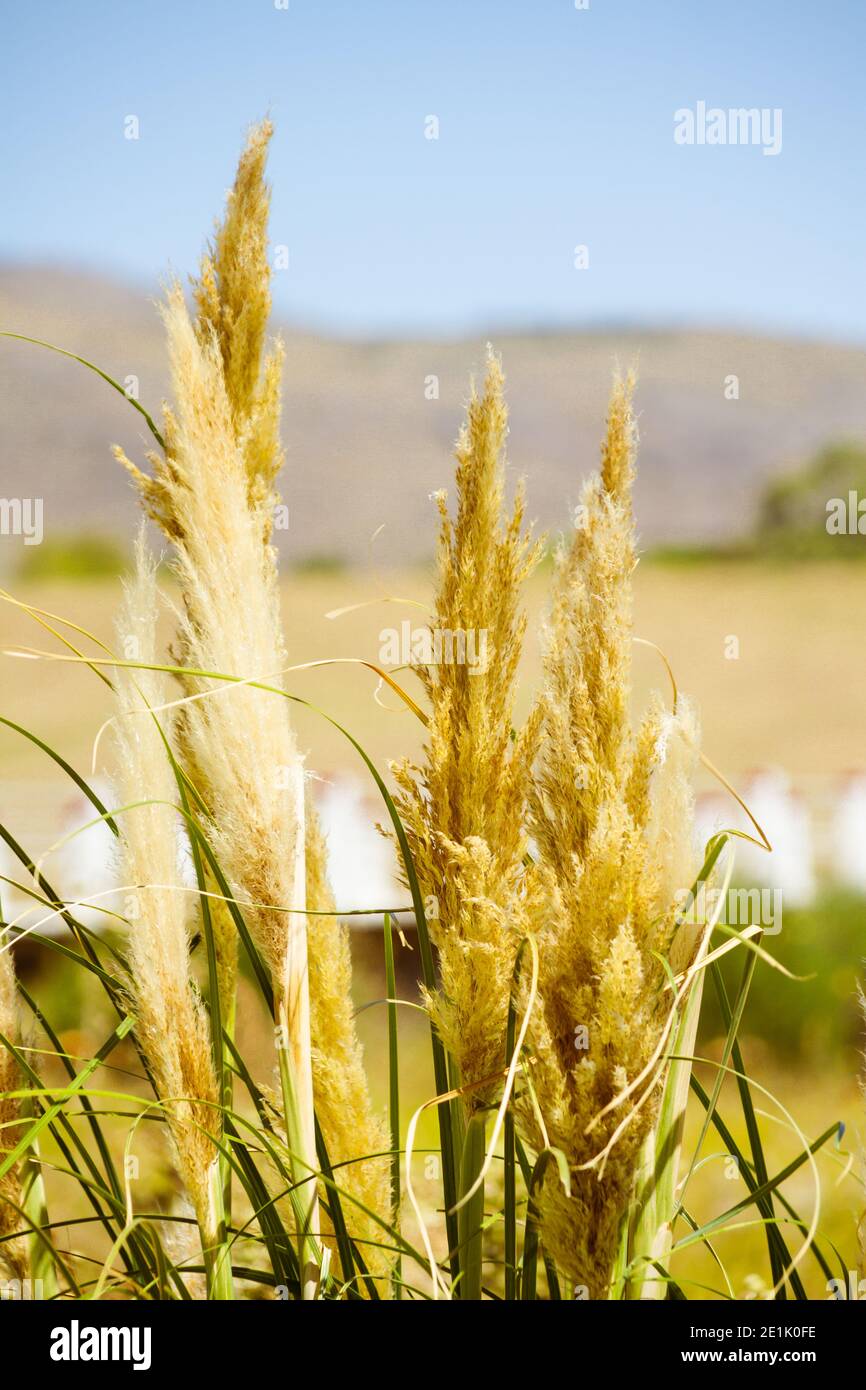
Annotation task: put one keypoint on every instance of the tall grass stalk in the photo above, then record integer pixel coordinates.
(655, 1201)
(296, 1069)
(170, 1021)
(14, 1250)
(611, 816)
(393, 1085)
(471, 1213)
(213, 493)
(464, 805)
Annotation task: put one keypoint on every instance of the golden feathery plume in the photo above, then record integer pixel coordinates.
(357, 1139)
(171, 1023)
(14, 1257)
(233, 299)
(464, 807)
(237, 736)
(611, 818)
(213, 495)
(233, 302)
(216, 506)
(232, 296)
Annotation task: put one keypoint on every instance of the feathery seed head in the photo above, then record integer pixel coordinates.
(232, 294)
(353, 1131)
(463, 808)
(213, 494)
(170, 1021)
(232, 298)
(611, 816)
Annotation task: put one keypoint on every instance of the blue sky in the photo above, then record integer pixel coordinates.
(555, 130)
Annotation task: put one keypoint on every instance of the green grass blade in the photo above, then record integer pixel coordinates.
(758, 1191)
(74, 357)
(80, 1079)
(70, 771)
(778, 1264)
(393, 1087)
(96, 1129)
(470, 1217)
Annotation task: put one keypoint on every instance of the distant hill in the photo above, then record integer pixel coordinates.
(365, 448)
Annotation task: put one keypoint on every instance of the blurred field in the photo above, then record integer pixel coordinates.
(792, 698)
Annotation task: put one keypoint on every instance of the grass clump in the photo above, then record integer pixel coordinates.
(547, 865)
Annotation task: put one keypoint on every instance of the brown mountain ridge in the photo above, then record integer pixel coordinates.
(366, 443)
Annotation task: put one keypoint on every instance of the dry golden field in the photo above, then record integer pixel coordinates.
(793, 697)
